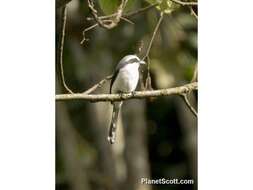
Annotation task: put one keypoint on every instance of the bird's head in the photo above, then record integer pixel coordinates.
(129, 59)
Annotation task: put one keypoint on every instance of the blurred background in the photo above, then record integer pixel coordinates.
(156, 137)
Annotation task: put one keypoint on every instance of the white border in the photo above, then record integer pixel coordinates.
(225, 95)
(27, 94)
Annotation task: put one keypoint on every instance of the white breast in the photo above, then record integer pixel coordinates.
(127, 78)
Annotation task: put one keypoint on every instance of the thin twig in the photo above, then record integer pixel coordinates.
(86, 30)
(98, 85)
(141, 10)
(153, 36)
(148, 84)
(127, 20)
(184, 96)
(193, 13)
(135, 95)
(130, 14)
(148, 79)
(64, 18)
(113, 21)
(109, 23)
(108, 18)
(183, 3)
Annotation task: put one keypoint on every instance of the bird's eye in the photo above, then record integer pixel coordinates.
(134, 60)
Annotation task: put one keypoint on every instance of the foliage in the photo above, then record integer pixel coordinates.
(110, 6)
(165, 6)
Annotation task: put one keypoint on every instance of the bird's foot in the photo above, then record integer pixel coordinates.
(133, 93)
(121, 94)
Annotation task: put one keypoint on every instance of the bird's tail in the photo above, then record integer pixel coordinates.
(115, 114)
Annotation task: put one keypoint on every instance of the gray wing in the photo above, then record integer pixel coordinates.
(113, 79)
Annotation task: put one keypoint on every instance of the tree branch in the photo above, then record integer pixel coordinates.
(193, 13)
(148, 79)
(183, 3)
(110, 23)
(98, 85)
(135, 95)
(86, 30)
(60, 47)
(184, 96)
(108, 18)
(129, 14)
(153, 36)
(141, 10)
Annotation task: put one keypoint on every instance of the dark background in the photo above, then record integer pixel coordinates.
(157, 138)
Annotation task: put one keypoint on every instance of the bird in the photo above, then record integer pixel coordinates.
(124, 80)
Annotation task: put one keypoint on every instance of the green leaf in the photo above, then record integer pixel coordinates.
(111, 6)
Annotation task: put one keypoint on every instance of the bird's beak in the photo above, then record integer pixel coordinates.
(142, 62)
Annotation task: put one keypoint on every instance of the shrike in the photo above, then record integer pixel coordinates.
(124, 80)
